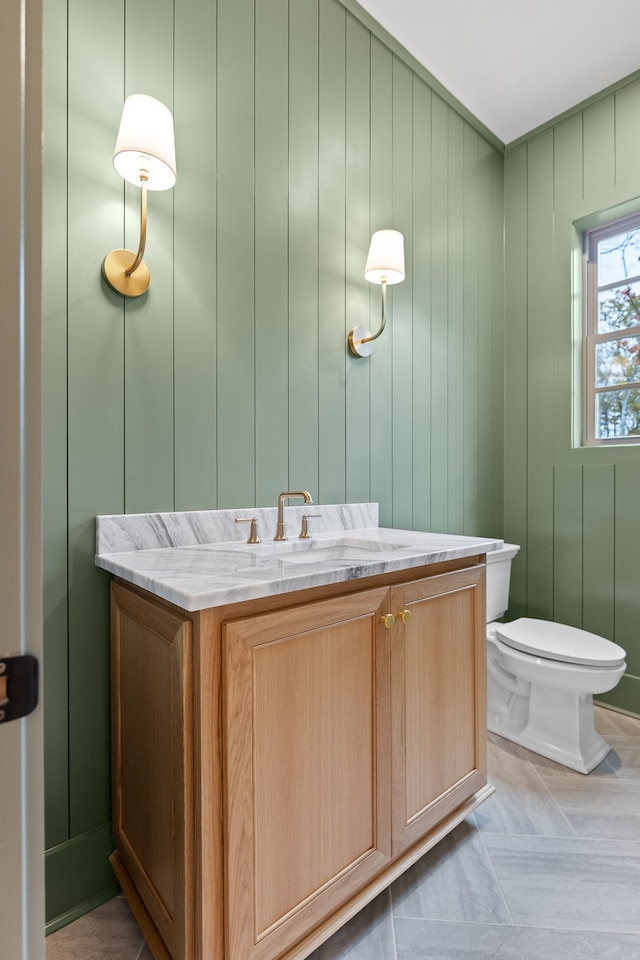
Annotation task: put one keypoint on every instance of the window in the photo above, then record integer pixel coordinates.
(612, 341)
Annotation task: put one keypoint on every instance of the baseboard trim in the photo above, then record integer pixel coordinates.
(614, 709)
(78, 876)
(623, 697)
(79, 911)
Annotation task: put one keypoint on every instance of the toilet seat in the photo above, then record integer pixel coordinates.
(557, 641)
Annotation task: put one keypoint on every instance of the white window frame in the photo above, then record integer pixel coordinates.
(591, 336)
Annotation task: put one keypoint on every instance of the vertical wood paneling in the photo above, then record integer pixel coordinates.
(303, 247)
(540, 375)
(471, 339)
(563, 342)
(149, 454)
(599, 147)
(627, 563)
(599, 549)
(271, 250)
(380, 362)
(455, 341)
(357, 231)
(54, 431)
(491, 427)
(439, 315)
(331, 256)
(401, 322)
(568, 166)
(194, 275)
(490, 358)
(420, 278)
(95, 391)
(235, 254)
(567, 544)
(516, 446)
(627, 133)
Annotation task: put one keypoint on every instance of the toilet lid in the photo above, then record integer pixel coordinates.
(556, 641)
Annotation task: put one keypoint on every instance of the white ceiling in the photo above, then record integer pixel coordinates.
(517, 64)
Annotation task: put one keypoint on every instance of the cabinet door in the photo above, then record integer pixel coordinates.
(438, 683)
(306, 805)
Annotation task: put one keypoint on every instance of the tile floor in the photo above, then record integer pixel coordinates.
(547, 869)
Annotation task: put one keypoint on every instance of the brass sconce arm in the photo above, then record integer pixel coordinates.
(118, 269)
(360, 334)
(143, 227)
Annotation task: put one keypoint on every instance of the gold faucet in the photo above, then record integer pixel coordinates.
(280, 534)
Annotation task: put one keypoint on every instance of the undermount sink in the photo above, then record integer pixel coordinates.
(319, 554)
(346, 549)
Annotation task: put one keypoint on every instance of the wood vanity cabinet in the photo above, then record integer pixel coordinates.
(279, 762)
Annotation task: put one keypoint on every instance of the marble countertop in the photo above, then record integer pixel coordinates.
(201, 559)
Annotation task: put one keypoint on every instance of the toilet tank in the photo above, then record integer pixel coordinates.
(498, 578)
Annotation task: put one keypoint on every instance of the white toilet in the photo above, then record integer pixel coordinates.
(541, 677)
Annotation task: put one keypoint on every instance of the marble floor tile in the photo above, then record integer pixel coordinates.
(609, 722)
(433, 940)
(522, 803)
(569, 883)
(368, 936)
(624, 758)
(607, 809)
(454, 881)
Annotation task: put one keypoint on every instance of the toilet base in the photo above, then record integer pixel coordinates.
(579, 746)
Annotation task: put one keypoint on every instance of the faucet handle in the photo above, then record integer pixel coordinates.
(304, 532)
(253, 533)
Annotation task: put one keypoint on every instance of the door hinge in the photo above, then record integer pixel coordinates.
(18, 686)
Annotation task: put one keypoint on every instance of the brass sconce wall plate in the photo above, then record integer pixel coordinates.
(360, 342)
(114, 271)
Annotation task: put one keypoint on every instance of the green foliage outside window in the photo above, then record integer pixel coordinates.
(613, 332)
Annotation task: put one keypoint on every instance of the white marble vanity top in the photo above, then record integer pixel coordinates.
(201, 559)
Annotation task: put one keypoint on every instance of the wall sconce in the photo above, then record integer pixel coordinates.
(145, 155)
(385, 264)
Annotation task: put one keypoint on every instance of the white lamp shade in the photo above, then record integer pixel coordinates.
(146, 130)
(386, 257)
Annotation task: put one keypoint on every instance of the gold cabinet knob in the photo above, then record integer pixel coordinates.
(405, 616)
(388, 620)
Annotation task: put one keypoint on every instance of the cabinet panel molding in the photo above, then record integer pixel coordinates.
(437, 701)
(152, 745)
(304, 722)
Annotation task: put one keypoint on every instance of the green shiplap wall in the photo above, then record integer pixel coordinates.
(299, 130)
(571, 508)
